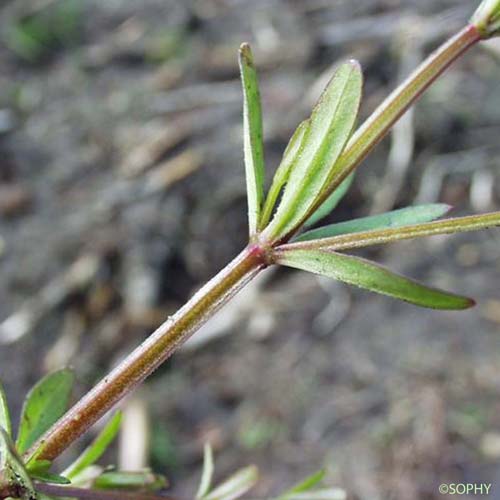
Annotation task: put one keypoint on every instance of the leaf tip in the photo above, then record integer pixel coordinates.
(461, 304)
(446, 208)
(355, 64)
(246, 54)
(470, 303)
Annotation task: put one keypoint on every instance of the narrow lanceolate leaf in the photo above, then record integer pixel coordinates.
(235, 486)
(283, 172)
(5, 422)
(396, 218)
(381, 236)
(140, 481)
(48, 477)
(324, 494)
(371, 276)
(307, 484)
(40, 470)
(44, 405)
(331, 125)
(253, 137)
(96, 448)
(376, 127)
(331, 202)
(208, 472)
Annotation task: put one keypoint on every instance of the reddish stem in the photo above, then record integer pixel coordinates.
(150, 354)
(88, 494)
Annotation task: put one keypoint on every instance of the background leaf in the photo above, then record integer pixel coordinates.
(331, 125)
(253, 137)
(236, 485)
(44, 405)
(48, 477)
(325, 494)
(208, 471)
(96, 448)
(5, 421)
(331, 202)
(305, 485)
(140, 481)
(397, 218)
(373, 277)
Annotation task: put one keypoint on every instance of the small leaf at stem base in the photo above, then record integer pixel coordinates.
(44, 405)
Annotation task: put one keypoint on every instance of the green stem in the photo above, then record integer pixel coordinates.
(375, 128)
(381, 236)
(149, 355)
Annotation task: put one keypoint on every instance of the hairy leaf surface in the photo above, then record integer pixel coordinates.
(373, 277)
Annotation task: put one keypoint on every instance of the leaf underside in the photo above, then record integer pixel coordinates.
(371, 276)
(253, 137)
(331, 125)
(396, 218)
(236, 485)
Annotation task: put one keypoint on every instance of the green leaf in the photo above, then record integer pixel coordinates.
(397, 218)
(48, 477)
(305, 485)
(373, 277)
(44, 405)
(331, 125)
(331, 202)
(38, 466)
(236, 485)
(40, 470)
(253, 137)
(389, 235)
(208, 472)
(5, 421)
(283, 171)
(13, 472)
(143, 480)
(325, 494)
(96, 448)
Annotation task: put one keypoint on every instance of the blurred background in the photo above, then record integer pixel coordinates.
(122, 191)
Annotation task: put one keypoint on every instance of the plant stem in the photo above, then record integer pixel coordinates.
(160, 345)
(375, 128)
(150, 354)
(88, 494)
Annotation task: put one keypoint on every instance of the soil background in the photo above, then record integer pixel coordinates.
(122, 191)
